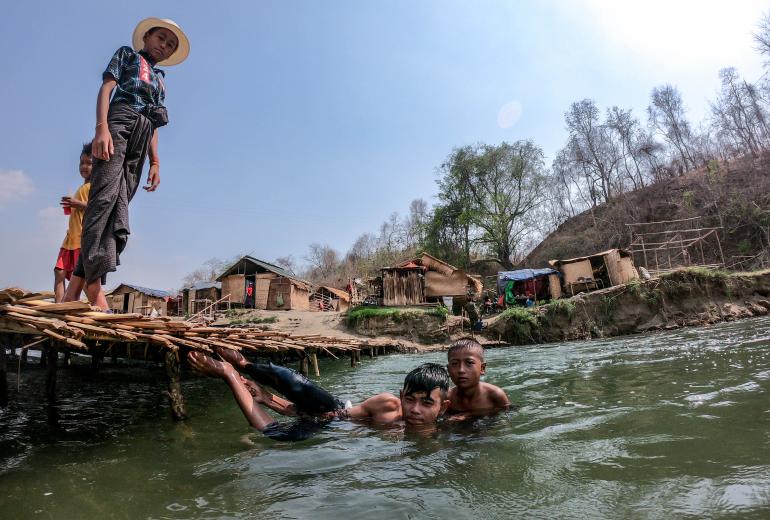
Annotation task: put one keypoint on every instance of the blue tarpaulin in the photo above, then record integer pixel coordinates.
(521, 275)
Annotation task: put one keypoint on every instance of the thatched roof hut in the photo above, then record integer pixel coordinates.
(256, 284)
(424, 279)
(197, 296)
(329, 299)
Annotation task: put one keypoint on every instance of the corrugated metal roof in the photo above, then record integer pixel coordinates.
(204, 285)
(155, 293)
(267, 266)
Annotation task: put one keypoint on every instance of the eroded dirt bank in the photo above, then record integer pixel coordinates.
(688, 297)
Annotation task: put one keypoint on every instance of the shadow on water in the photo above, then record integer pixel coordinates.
(665, 425)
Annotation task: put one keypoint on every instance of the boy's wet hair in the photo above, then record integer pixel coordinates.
(466, 344)
(87, 150)
(425, 378)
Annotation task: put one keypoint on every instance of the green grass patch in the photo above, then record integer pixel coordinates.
(560, 308)
(397, 314)
(522, 324)
(248, 320)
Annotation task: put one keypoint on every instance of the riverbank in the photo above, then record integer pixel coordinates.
(683, 298)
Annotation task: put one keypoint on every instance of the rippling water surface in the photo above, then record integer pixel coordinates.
(666, 425)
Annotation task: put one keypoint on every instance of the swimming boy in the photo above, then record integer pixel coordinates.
(422, 400)
(74, 205)
(126, 132)
(471, 396)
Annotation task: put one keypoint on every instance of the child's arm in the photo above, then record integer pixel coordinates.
(153, 178)
(102, 143)
(381, 407)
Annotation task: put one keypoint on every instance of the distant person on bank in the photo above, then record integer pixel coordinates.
(74, 205)
(126, 132)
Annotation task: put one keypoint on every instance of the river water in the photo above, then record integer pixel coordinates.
(668, 425)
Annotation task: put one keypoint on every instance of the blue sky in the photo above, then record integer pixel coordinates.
(295, 122)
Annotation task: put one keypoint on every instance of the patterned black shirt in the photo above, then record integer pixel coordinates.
(139, 83)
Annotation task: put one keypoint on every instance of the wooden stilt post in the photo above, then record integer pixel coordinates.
(303, 364)
(43, 354)
(371, 352)
(358, 356)
(67, 359)
(52, 356)
(353, 359)
(314, 360)
(174, 382)
(24, 358)
(95, 358)
(3, 371)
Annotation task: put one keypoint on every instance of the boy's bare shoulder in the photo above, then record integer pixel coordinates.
(494, 393)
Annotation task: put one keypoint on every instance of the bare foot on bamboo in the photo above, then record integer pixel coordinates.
(208, 366)
(233, 357)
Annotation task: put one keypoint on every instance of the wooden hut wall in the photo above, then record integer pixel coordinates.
(554, 285)
(437, 285)
(262, 289)
(402, 287)
(294, 297)
(235, 286)
(300, 298)
(627, 269)
(575, 270)
(620, 269)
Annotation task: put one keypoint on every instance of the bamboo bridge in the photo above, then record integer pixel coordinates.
(32, 321)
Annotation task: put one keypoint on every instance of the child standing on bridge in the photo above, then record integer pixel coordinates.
(126, 132)
(74, 206)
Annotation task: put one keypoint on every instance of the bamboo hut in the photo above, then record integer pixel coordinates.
(329, 299)
(605, 269)
(426, 279)
(256, 284)
(127, 299)
(199, 295)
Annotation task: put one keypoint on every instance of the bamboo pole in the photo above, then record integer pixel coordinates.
(52, 356)
(314, 360)
(174, 386)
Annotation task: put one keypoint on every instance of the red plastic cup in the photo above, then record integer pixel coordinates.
(67, 210)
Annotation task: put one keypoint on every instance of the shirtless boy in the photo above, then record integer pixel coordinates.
(470, 395)
(422, 400)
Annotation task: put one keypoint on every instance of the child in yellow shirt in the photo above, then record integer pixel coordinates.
(75, 205)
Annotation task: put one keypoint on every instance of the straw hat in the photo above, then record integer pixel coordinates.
(181, 52)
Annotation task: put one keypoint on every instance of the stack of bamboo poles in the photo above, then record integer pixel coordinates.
(73, 323)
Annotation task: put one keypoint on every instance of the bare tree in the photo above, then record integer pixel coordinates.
(288, 262)
(666, 114)
(738, 114)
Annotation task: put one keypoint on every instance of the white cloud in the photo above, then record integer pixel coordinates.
(509, 114)
(14, 186)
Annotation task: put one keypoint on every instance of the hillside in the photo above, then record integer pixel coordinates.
(734, 195)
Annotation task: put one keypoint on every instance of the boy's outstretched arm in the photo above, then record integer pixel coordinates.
(255, 415)
(383, 407)
(102, 147)
(153, 177)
